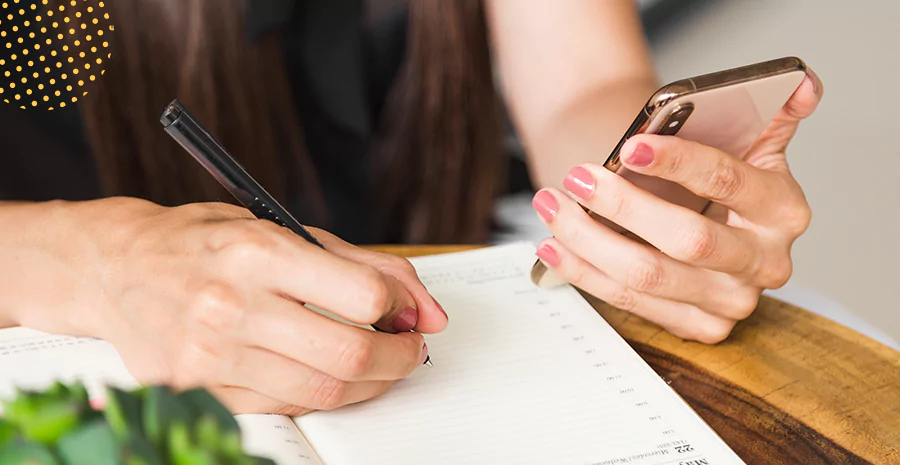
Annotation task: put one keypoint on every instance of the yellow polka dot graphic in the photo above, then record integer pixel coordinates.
(49, 55)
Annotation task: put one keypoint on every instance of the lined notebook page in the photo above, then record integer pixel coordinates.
(522, 375)
(32, 359)
(275, 437)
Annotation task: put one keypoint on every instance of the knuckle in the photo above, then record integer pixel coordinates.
(328, 393)
(356, 358)
(645, 274)
(374, 296)
(796, 219)
(674, 163)
(403, 265)
(744, 304)
(574, 273)
(618, 204)
(697, 243)
(623, 299)
(777, 273)
(216, 306)
(253, 247)
(725, 180)
(711, 332)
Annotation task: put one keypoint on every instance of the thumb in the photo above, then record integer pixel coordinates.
(778, 134)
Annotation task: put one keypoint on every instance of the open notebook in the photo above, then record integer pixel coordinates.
(522, 375)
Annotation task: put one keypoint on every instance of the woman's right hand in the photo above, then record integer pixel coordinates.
(206, 295)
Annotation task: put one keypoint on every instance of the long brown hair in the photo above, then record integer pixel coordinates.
(436, 160)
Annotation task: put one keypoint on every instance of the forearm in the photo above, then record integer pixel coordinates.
(585, 130)
(574, 74)
(49, 265)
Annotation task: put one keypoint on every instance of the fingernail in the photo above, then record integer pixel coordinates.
(641, 156)
(406, 320)
(440, 307)
(580, 182)
(545, 204)
(424, 354)
(548, 255)
(814, 78)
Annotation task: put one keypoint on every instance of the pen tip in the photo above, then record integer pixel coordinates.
(428, 361)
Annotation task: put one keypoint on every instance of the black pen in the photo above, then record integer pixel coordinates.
(191, 135)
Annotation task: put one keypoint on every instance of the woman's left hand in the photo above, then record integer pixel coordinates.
(701, 276)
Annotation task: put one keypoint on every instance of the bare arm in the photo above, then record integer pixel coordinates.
(46, 263)
(183, 292)
(575, 73)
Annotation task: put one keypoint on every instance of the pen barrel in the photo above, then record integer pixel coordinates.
(197, 141)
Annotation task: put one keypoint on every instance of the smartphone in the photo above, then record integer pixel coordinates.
(727, 110)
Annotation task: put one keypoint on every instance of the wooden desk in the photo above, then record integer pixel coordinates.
(787, 387)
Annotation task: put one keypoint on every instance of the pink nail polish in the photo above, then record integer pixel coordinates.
(641, 156)
(406, 320)
(548, 255)
(98, 404)
(580, 182)
(424, 354)
(545, 204)
(440, 307)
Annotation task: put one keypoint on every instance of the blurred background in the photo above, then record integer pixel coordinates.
(846, 157)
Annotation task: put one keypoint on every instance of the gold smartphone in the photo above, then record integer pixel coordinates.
(727, 110)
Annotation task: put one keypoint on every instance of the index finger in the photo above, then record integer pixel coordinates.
(705, 171)
(286, 265)
(431, 316)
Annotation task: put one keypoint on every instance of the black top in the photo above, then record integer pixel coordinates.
(341, 70)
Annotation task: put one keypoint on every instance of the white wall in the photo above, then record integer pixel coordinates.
(847, 156)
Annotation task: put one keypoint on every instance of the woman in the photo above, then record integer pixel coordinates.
(380, 128)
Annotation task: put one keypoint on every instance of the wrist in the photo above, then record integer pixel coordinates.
(54, 261)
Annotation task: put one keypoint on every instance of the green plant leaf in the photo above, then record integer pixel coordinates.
(262, 461)
(162, 409)
(8, 432)
(42, 417)
(182, 452)
(26, 454)
(206, 433)
(57, 389)
(123, 412)
(203, 403)
(139, 451)
(91, 444)
(230, 444)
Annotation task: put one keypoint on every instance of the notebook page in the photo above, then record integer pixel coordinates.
(32, 359)
(522, 375)
(275, 437)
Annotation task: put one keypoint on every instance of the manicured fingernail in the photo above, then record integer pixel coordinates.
(424, 354)
(641, 156)
(440, 307)
(580, 182)
(406, 320)
(545, 204)
(548, 255)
